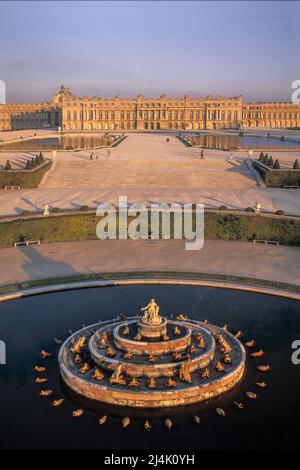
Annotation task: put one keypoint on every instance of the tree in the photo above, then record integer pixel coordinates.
(41, 157)
(270, 162)
(8, 165)
(296, 165)
(32, 162)
(266, 159)
(261, 156)
(28, 165)
(276, 164)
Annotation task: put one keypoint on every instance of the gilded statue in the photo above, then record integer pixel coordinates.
(117, 377)
(151, 313)
(184, 372)
(80, 343)
(225, 347)
(104, 340)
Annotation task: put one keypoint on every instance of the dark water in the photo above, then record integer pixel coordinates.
(29, 325)
(234, 141)
(65, 142)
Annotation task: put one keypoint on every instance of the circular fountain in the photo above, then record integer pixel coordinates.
(152, 361)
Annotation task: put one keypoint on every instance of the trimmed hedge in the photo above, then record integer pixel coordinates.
(24, 178)
(218, 226)
(278, 178)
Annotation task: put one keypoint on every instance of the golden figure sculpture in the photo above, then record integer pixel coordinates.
(127, 355)
(169, 423)
(147, 425)
(110, 352)
(79, 345)
(125, 422)
(104, 340)
(177, 356)
(151, 359)
(264, 368)
(133, 382)
(151, 316)
(102, 420)
(40, 381)
(77, 413)
(192, 349)
(126, 330)
(45, 354)
(77, 359)
(117, 377)
(45, 393)
(258, 353)
(181, 317)
(98, 375)
(171, 382)
(177, 331)
(251, 395)
(219, 367)
(225, 347)
(138, 337)
(227, 359)
(239, 405)
(205, 374)
(152, 383)
(39, 369)
(165, 337)
(85, 368)
(184, 372)
(58, 402)
(261, 384)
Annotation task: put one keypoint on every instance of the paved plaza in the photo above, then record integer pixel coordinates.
(55, 260)
(147, 168)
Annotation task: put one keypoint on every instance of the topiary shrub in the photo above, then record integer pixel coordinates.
(84, 208)
(249, 209)
(296, 165)
(28, 165)
(261, 157)
(266, 159)
(276, 164)
(55, 210)
(279, 212)
(7, 165)
(271, 162)
(223, 208)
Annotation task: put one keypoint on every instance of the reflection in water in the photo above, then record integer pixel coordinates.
(64, 142)
(236, 141)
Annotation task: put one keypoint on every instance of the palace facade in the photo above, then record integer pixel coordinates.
(72, 113)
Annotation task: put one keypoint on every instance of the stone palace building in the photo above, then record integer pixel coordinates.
(72, 113)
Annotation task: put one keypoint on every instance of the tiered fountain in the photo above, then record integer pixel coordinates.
(152, 361)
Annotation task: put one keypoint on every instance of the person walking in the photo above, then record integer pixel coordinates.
(202, 154)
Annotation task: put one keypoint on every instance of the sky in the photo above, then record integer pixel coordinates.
(151, 48)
